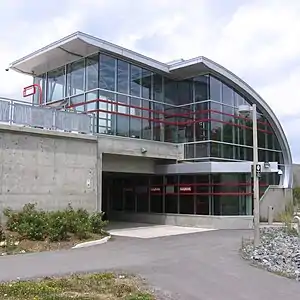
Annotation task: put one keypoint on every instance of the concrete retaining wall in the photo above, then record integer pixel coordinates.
(296, 172)
(214, 222)
(276, 197)
(50, 170)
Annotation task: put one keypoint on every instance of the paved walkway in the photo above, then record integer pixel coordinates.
(197, 266)
(148, 231)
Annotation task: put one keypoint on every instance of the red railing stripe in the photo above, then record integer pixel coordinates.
(166, 115)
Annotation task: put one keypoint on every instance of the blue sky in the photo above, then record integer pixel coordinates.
(257, 40)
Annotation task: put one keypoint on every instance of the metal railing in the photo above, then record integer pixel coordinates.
(27, 114)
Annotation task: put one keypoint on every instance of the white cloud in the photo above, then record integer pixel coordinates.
(258, 40)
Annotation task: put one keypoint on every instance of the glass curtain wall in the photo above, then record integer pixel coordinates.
(135, 102)
(202, 194)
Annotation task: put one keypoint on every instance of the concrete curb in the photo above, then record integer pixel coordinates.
(92, 243)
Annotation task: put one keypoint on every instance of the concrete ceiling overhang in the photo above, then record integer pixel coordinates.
(74, 47)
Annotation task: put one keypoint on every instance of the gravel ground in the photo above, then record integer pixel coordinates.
(279, 252)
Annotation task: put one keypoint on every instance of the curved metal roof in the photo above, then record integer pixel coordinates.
(78, 45)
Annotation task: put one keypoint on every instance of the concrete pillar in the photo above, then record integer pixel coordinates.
(99, 178)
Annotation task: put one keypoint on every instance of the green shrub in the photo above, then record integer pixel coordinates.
(296, 196)
(286, 217)
(36, 224)
(97, 223)
(77, 222)
(2, 234)
(57, 226)
(29, 222)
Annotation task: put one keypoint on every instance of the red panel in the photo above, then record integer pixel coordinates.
(33, 87)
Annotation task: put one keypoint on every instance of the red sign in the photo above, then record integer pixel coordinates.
(185, 189)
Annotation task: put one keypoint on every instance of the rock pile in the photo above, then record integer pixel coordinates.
(278, 252)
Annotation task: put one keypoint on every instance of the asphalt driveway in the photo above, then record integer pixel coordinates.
(203, 265)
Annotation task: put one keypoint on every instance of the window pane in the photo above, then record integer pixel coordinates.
(107, 72)
(41, 81)
(56, 85)
(216, 131)
(171, 91)
(135, 80)
(135, 120)
(156, 194)
(157, 87)
(75, 77)
(146, 84)
(216, 150)
(106, 118)
(185, 92)
(227, 151)
(92, 71)
(122, 116)
(201, 84)
(142, 193)
(146, 123)
(77, 100)
(215, 89)
(227, 95)
(216, 111)
(123, 77)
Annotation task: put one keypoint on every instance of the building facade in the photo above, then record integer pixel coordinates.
(192, 103)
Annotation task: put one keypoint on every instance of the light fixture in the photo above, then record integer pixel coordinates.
(244, 110)
(143, 150)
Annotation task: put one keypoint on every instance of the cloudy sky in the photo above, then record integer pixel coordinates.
(259, 40)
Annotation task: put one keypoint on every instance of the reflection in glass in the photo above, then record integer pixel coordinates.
(215, 150)
(215, 89)
(135, 80)
(227, 95)
(157, 87)
(228, 151)
(92, 71)
(105, 106)
(122, 118)
(158, 126)
(42, 82)
(75, 77)
(107, 72)
(77, 100)
(185, 92)
(135, 119)
(216, 131)
(123, 77)
(56, 85)
(171, 91)
(146, 122)
(201, 86)
(171, 194)
(215, 111)
(146, 84)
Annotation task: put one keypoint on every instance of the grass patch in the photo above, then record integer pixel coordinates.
(106, 286)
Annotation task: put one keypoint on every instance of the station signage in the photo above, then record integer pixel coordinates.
(185, 189)
(155, 189)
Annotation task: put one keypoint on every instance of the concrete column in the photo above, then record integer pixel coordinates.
(99, 178)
